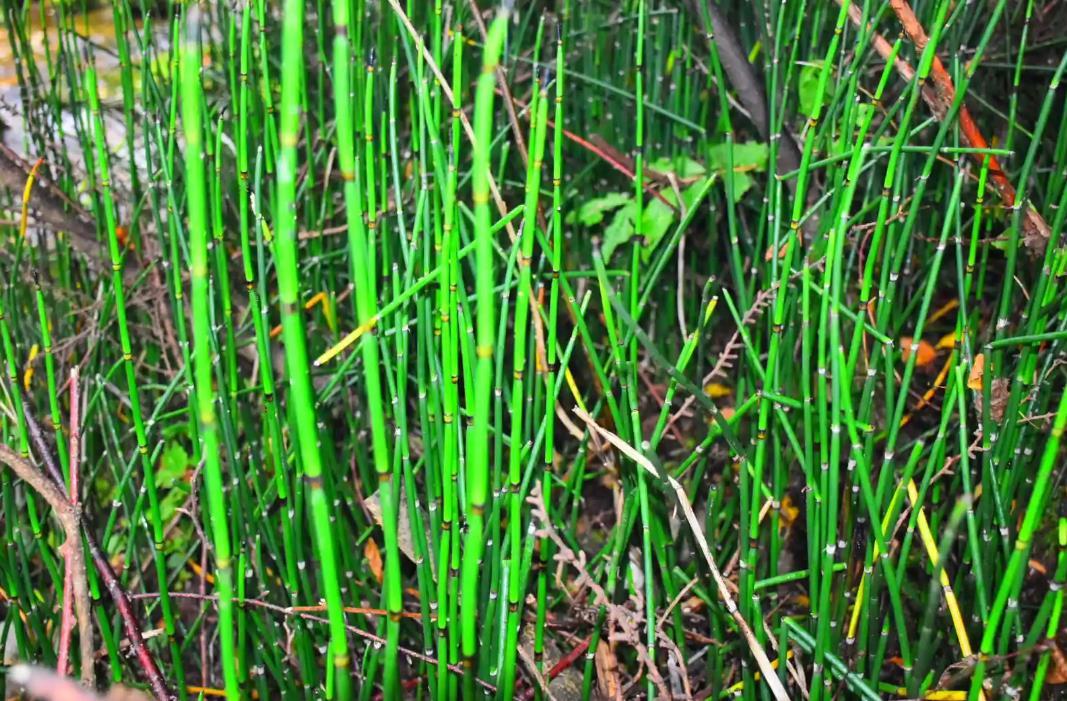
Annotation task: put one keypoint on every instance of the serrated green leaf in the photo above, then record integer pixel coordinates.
(749, 157)
(619, 230)
(656, 220)
(592, 212)
(682, 166)
(172, 464)
(808, 89)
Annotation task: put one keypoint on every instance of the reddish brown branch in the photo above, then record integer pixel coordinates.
(111, 582)
(599, 147)
(70, 518)
(940, 95)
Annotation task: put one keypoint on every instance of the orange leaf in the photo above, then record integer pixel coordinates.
(374, 559)
(926, 352)
(974, 379)
(1057, 673)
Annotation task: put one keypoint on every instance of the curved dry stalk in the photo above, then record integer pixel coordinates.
(770, 676)
(69, 516)
(103, 567)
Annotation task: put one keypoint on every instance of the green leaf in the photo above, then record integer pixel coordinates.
(682, 166)
(172, 464)
(592, 212)
(808, 89)
(619, 230)
(656, 219)
(749, 157)
(169, 504)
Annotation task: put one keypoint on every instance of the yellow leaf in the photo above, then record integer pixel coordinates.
(27, 376)
(717, 391)
(943, 310)
(208, 577)
(974, 379)
(787, 513)
(947, 342)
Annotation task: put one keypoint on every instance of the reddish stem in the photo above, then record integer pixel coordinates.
(111, 582)
(66, 624)
(564, 663)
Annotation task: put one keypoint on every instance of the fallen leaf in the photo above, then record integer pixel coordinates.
(925, 354)
(787, 513)
(943, 310)
(717, 391)
(404, 537)
(947, 342)
(607, 671)
(693, 605)
(27, 376)
(974, 379)
(374, 559)
(1057, 673)
(999, 392)
(769, 253)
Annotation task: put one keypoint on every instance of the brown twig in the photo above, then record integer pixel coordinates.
(103, 567)
(69, 516)
(940, 94)
(67, 615)
(682, 501)
(501, 80)
(303, 612)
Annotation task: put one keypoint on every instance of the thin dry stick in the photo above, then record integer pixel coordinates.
(531, 667)
(103, 567)
(770, 676)
(302, 612)
(501, 80)
(69, 516)
(626, 620)
(67, 617)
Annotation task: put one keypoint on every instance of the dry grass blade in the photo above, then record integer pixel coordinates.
(769, 674)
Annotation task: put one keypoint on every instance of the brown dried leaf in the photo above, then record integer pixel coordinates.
(999, 392)
(1057, 673)
(1036, 233)
(607, 671)
(405, 538)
